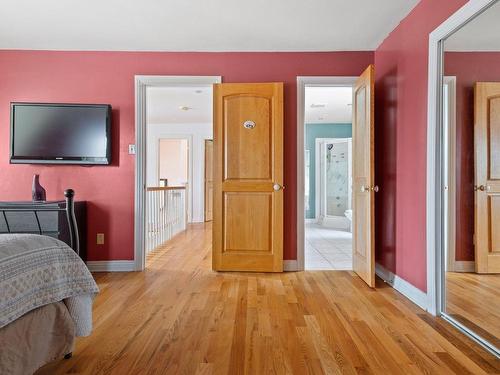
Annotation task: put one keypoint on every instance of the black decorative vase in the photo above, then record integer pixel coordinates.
(37, 191)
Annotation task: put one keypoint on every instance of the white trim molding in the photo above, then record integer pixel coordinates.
(141, 85)
(111, 266)
(411, 292)
(464, 266)
(302, 82)
(434, 200)
(290, 265)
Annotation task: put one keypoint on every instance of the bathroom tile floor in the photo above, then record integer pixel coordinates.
(327, 249)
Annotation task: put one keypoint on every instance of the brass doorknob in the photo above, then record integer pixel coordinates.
(482, 188)
(278, 187)
(366, 189)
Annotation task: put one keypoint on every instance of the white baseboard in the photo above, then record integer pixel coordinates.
(290, 265)
(404, 287)
(464, 266)
(111, 266)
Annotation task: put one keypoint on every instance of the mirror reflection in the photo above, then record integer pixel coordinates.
(471, 124)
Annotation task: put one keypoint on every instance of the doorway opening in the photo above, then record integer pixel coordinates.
(325, 121)
(174, 124)
(327, 124)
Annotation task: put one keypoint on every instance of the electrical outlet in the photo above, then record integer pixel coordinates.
(100, 239)
(131, 149)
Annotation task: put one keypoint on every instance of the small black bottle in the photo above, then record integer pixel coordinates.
(37, 191)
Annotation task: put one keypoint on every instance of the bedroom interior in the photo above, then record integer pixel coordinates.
(159, 190)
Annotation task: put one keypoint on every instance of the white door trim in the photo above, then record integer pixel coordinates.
(302, 82)
(141, 84)
(449, 171)
(435, 184)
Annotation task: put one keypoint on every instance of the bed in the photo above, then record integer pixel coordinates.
(46, 294)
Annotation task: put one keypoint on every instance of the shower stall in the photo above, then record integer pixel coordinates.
(334, 182)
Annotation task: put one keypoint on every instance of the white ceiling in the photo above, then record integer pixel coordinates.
(328, 105)
(199, 25)
(481, 34)
(163, 105)
(167, 105)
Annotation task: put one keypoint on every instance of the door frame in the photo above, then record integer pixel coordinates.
(435, 232)
(302, 83)
(449, 174)
(142, 82)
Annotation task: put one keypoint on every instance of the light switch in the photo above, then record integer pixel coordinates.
(100, 239)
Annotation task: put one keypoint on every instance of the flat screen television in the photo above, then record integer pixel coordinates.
(43, 133)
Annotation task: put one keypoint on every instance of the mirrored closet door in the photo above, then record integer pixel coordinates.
(471, 174)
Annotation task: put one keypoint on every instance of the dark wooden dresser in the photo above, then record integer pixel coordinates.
(50, 223)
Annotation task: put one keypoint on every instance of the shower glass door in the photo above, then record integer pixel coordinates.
(335, 181)
(337, 178)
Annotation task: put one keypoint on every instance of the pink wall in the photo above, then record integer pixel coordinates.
(108, 77)
(401, 64)
(469, 68)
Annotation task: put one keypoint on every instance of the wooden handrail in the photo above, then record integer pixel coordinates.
(162, 188)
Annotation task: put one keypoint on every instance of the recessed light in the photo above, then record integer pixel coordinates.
(184, 108)
(198, 91)
(349, 104)
(318, 105)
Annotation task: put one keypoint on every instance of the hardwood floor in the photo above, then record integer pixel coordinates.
(474, 300)
(180, 317)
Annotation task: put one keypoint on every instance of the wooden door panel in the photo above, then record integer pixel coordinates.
(361, 135)
(243, 234)
(363, 177)
(487, 177)
(248, 164)
(494, 138)
(248, 149)
(209, 202)
(494, 223)
(209, 191)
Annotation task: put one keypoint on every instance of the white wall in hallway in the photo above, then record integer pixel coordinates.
(196, 135)
(173, 161)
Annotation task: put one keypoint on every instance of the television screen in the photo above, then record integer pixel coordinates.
(60, 133)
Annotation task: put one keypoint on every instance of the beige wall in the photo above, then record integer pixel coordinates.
(173, 161)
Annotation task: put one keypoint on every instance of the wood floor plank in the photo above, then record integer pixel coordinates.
(180, 317)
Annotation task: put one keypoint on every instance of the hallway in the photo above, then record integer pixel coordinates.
(180, 317)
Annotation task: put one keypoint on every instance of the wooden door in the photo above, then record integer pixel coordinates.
(487, 177)
(209, 193)
(248, 177)
(363, 177)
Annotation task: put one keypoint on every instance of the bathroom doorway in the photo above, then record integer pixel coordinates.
(327, 123)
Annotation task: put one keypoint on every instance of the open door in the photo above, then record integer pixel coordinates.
(248, 177)
(209, 186)
(363, 177)
(487, 177)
